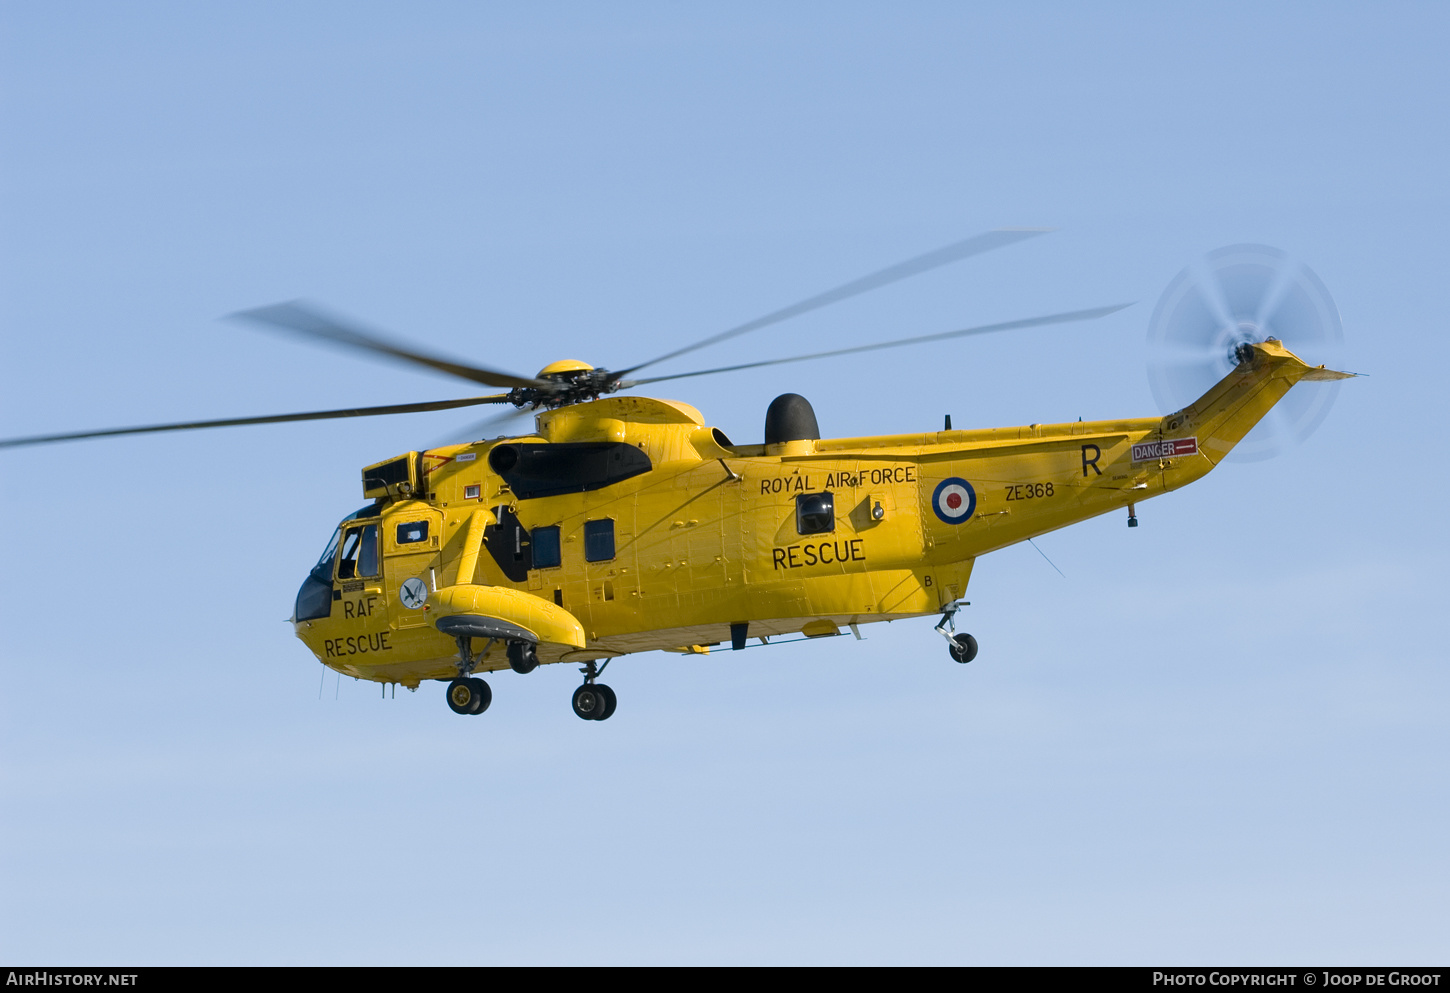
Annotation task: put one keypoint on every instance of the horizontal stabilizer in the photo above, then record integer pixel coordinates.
(1319, 374)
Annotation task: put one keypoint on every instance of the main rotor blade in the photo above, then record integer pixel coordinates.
(911, 267)
(1031, 322)
(302, 319)
(480, 430)
(316, 415)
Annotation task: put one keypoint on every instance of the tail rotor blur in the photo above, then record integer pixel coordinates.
(1235, 295)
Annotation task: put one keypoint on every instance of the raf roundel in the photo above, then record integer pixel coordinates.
(954, 500)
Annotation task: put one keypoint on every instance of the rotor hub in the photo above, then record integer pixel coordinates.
(564, 369)
(568, 381)
(1236, 341)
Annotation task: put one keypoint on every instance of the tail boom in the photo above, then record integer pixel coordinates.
(1221, 418)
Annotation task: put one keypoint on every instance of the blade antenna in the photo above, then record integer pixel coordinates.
(998, 238)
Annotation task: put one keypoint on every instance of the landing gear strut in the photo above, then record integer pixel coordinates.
(963, 647)
(468, 694)
(594, 701)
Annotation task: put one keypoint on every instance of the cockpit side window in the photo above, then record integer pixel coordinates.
(325, 564)
(347, 559)
(367, 559)
(314, 599)
(329, 555)
(358, 556)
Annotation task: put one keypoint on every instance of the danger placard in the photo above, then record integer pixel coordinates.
(1167, 449)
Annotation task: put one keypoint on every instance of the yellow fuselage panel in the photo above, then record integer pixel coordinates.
(711, 535)
(701, 544)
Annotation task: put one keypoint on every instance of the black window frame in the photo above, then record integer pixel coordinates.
(541, 539)
(803, 511)
(348, 562)
(398, 538)
(596, 532)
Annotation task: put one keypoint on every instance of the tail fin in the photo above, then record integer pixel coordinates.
(1222, 416)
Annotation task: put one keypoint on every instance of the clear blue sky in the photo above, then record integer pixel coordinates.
(1221, 738)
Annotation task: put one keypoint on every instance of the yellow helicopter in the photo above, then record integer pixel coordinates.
(627, 524)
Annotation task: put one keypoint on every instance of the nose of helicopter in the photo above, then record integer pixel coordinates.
(314, 598)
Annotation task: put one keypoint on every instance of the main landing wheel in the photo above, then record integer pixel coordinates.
(469, 696)
(594, 702)
(963, 648)
(523, 656)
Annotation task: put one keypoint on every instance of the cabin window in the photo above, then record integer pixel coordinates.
(547, 551)
(358, 556)
(412, 532)
(815, 513)
(599, 540)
